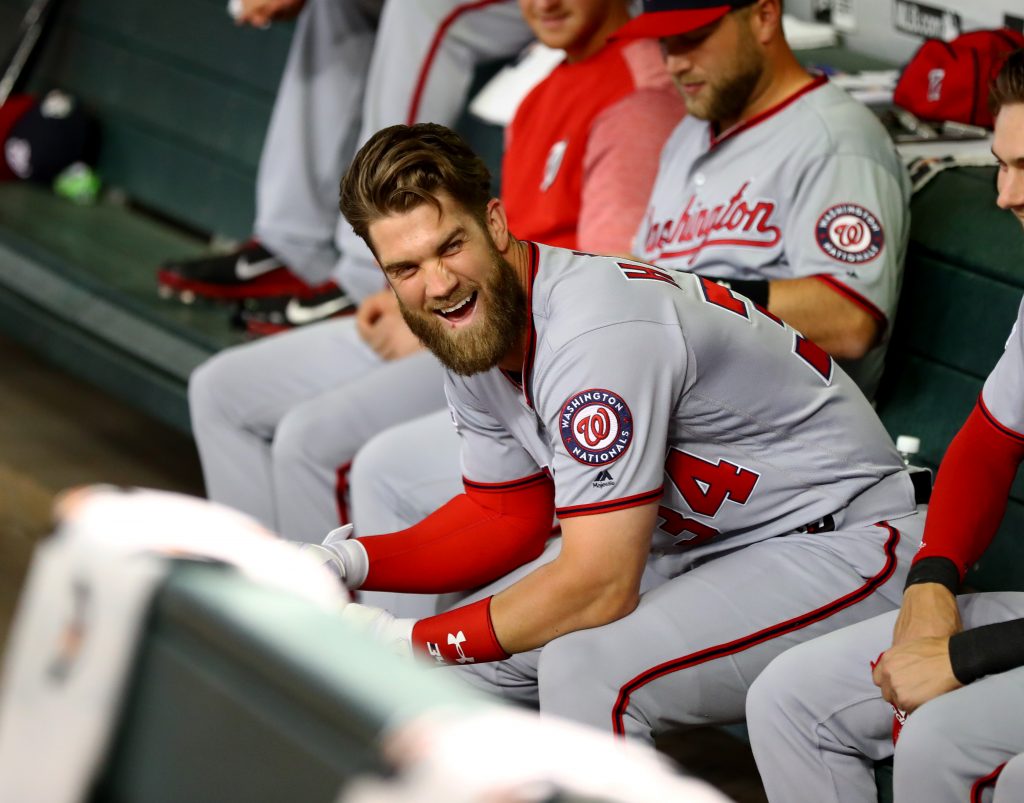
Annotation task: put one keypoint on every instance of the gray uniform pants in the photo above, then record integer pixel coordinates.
(817, 722)
(278, 420)
(690, 651)
(340, 85)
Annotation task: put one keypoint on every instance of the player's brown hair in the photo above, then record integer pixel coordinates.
(1009, 84)
(403, 166)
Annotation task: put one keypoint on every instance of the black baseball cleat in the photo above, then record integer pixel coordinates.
(265, 316)
(250, 272)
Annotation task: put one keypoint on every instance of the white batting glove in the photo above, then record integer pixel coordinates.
(342, 555)
(394, 633)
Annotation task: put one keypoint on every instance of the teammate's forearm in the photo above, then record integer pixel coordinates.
(970, 493)
(819, 312)
(987, 650)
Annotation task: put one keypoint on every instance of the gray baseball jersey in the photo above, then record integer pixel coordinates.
(771, 472)
(644, 384)
(814, 704)
(1003, 394)
(812, 187)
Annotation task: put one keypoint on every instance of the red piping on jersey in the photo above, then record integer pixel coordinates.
(531, 343)
(855, 297)
(340, 490)
(435, 44)
(746, 642)
(995, 422)
(499, 487)
(614, 504)
(819, 80)
(982, 784)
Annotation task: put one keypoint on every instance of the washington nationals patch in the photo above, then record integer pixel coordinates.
(596, 427)
(849, 233)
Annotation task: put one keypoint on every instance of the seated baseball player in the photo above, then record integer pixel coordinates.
(352, 68)
(951, 667)
(776, 182)
(278, 422)
(692, 444)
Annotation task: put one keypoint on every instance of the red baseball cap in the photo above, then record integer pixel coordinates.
(672, 17)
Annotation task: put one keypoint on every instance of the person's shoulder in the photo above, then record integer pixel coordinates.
(645, 63)
(577, 293)
(847, 126)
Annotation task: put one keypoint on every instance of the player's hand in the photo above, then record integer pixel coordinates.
(342, 555)
(915, 672)
(260, 13)
(381, 326)
(929, 610)
(394, 633)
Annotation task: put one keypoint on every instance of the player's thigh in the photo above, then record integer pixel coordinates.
(694, 645)
(1010, 783)
(405, 473)
(964, 735)
(255, 384)
(330, 427)
(824, 686)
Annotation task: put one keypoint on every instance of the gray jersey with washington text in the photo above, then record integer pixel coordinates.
(1003, 394)
(813, 187)
(643, 384)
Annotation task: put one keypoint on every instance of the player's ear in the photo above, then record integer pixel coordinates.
(766, 20)
(497, 225)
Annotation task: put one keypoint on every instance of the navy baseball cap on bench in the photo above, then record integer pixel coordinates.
(672, 17)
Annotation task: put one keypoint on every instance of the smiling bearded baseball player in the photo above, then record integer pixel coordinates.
(775, 182)
(658, 414)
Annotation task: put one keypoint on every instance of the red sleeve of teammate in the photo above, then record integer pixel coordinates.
(971, 490)
(475, 538)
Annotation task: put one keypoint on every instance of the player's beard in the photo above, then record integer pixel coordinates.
(481, 345)
(726, 94)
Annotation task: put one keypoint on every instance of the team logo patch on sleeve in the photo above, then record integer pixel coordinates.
(596, 427)
(849, 233)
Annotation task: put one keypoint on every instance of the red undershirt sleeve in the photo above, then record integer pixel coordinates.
(971, 490)
(477, 537)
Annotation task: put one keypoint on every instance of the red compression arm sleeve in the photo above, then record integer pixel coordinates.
(971, 490)
(477, 537)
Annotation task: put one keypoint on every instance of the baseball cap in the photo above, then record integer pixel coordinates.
(672, 17)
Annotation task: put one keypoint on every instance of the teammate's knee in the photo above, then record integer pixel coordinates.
(576, 670)
(210, 387)
(775, 693)
(308, 434)
(926, 737)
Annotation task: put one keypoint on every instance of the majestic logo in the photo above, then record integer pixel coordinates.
(604, 479)
(596, 427)
(553, 164)
(455, 640)
(849, 233)
(927, 21)
(935, 79)
(738, 222)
